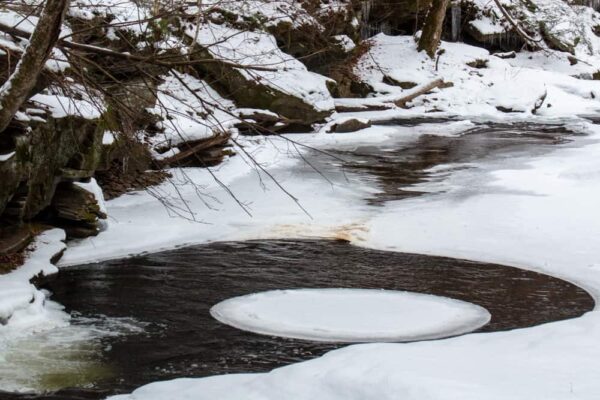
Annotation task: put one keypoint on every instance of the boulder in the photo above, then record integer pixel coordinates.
(348, 125)
(52, 150)
(404, 84)
(76, 210)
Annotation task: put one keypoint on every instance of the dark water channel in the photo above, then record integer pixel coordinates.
(397, 168)
(173, 291)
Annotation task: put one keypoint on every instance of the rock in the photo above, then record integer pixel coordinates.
(13, 239)
(400, 15)
(500, 37)
(76, 210)
(200, 153)
(478, 63)
(70, 145)
(387, 79)
(317, 32)
(508, 110)
(506, 56)
(261, 122)
(350, 125)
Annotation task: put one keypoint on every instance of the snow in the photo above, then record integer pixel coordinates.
(536, 212)
(552, 23)
(25, 22)
(129, 15)
(190, 110)
(6, 157)
(350, 315)
(259, 49)
(176, 221)
(486, 26)
(272, 12)
(108, 138)
(345, 42)
(93, 187)
(23, 308)
(72, 100)
(515, 85)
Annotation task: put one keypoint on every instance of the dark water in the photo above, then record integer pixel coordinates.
(174, 290)
(397, 168)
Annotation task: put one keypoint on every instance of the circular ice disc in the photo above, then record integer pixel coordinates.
(351, 315)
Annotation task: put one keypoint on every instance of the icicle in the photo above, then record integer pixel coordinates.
(366, 28)
(366, 10)
(595, 4)
(369, 29)
(456, 21)
(385, 28)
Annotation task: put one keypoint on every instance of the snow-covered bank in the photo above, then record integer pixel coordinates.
(482, 84)
(23, 308)
(159, 219)
(538, 213)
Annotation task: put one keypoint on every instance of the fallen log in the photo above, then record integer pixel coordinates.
(341, 108)
(195, 150)
(387, 102)
(419, 91)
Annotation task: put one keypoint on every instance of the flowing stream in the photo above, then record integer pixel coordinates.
(160, 302)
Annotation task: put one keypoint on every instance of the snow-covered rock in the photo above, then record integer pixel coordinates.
(258, 74)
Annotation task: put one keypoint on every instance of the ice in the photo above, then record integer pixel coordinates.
(350, 315)
(23, 308)
(535, 212)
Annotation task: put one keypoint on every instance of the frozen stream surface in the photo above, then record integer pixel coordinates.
(440, 189)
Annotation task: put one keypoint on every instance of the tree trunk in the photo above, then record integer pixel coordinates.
(15, 90)
(433, 26)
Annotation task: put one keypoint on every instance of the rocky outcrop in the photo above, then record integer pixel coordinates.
(548, 24)
(76, 210)
(42, 156)
(348, 125)
(249, 68)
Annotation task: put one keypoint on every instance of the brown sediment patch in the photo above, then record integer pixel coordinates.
(352, 232)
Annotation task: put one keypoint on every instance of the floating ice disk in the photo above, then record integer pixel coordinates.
(351, 315)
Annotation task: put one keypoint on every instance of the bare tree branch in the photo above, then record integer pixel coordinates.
(18, 86)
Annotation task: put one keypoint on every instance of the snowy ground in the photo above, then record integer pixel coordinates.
(483, 84)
